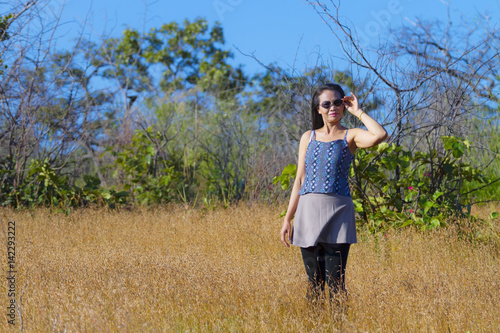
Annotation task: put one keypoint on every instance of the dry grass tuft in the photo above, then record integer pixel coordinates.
(172, 269)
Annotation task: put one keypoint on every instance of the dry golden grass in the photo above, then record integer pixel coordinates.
(172, 269)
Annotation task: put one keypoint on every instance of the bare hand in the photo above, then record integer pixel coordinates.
(286, 231)
(351, 103)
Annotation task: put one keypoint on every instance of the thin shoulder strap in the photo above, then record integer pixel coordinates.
(312, 135)
(345, 137)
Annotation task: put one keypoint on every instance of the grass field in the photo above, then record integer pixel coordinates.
(178, 270)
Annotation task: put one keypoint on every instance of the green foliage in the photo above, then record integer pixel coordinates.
(489, 159)
(172, 70)
(184, 55)
(4, 25)
(212, 134)
(224, 155)
(45, 187)
(286, 177)
(142, 172)
(395, 187)
(4, 35)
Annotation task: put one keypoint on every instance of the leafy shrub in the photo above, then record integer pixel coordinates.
(144, 174)
(44, 187)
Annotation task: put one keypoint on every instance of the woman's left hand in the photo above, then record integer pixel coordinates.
(351, 103)
(374, 133)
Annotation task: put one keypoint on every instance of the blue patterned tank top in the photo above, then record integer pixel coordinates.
(327, 167)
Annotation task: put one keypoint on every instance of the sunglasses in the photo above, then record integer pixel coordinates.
(328, 104)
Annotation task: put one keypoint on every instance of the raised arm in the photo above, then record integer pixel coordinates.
(374, 133)
(286, 230)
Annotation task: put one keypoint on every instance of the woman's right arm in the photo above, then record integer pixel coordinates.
(286, 230)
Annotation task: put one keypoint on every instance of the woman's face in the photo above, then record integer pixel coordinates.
(331, 107)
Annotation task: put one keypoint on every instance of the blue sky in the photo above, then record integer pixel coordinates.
(286, 32)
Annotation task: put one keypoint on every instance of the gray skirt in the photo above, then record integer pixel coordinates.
(324, 218)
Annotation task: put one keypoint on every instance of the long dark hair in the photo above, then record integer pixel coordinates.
(317, 120)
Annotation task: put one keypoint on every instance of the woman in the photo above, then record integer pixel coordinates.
(324, 225)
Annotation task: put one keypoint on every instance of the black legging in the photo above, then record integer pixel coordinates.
(325, 262)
